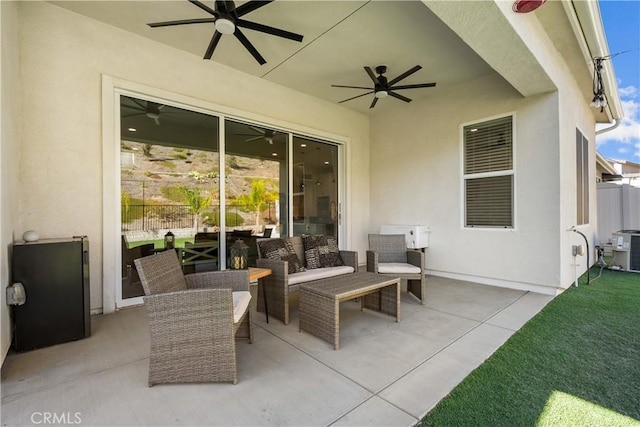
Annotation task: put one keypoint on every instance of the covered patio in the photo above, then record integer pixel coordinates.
(385, 373)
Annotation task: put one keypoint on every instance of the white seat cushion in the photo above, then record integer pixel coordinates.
(318, 273)
(241, 301)
(397, 268)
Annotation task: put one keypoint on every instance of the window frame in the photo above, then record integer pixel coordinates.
(464, 177)
(583, 178)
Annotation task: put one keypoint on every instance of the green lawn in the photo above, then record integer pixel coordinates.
(576, 363)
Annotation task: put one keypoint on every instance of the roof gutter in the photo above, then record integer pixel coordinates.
(586, 21)
(605, 164)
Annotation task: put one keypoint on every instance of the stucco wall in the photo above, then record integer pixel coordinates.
(416, 179)
(538, 251)
(575, 115)
(9, 156)
(64, 56)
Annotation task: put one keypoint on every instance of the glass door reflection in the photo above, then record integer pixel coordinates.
(315, 187)
(169, 185)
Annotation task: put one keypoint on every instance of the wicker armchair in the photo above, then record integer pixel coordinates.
(194, 320)
(388, 254)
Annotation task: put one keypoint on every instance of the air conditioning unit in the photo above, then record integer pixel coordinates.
(417, 236)
(626, 250)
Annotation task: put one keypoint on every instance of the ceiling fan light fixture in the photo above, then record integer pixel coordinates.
(381, 94)
(225, 26)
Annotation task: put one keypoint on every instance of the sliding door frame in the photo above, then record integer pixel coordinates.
(112, 88)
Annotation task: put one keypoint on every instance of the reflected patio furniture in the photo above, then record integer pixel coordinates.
(131, 286)
(194, 320)
(199, 256)
(206, 237)
(388, 254)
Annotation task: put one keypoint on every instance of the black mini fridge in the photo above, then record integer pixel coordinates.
(55, 276)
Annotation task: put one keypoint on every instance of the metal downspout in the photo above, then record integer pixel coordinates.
(610, 128)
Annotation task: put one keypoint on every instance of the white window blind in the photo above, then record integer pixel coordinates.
(488, 173)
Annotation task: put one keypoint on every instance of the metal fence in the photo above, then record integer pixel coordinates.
(160, 217)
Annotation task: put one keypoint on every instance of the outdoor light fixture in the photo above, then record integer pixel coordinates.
(599, 100)
(239, 255)
(169, 240)
(526, 6)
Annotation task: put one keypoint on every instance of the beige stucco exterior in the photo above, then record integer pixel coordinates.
(9, 155)
(59, 168)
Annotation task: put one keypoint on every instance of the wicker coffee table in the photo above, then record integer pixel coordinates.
(320, 301)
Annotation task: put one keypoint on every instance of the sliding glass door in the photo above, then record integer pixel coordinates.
(255, 184)
(169, 185)
(196, 183)
(315, 187)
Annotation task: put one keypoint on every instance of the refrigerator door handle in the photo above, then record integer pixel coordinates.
(16, 294)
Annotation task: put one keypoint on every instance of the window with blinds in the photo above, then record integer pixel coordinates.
(488, 173)
(582, 179)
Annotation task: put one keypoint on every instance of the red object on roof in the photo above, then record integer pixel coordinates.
(526, 6)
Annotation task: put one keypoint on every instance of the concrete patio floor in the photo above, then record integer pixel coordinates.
(385, 373)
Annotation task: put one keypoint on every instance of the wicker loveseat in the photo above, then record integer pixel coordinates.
(281, 283)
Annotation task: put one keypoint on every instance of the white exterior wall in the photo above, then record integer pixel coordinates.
(575, 114)
(9, 157)
(416, 179)
(64, 56)
(536, 255)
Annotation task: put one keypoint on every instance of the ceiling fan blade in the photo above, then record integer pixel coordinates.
(204, 7)
(353, 87)
(373, 103)
(247, 44)
(269, 30)
(212, 44)
(257, 129)
(254, 138)
(405, 75)
(132, 115)
(250, 6)
(182, 22)
(357, 96)
(395, 95)
(157, 120)
(413, 86)
(371, 74)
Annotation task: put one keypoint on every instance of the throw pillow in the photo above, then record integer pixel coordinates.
(280, 249)
(321, 251)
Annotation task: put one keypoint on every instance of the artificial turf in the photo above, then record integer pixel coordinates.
(576, 363)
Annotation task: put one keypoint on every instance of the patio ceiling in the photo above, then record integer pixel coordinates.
(340, 37)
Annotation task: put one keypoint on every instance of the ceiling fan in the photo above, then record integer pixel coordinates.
(227, 20)
(268, 135)
(148, 108)
(383, 87)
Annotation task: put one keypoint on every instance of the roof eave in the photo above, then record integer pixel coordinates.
(586, 19)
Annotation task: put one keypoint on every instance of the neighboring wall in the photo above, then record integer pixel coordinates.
(618, 209)
(9, 156)
(63, 58)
